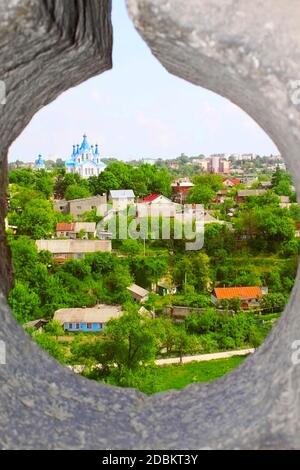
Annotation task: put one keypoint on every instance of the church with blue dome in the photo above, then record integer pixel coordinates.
(39, 163)
(85, 160)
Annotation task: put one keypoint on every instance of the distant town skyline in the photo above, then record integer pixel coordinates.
(137, 110)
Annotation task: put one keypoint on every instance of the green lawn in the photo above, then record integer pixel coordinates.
(179, 376)
(160, 379)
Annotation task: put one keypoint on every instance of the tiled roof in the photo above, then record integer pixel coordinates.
(64, 227)
(234, 180)
(238, 292)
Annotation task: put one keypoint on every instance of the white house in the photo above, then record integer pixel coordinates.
(121, 198)
(76, 230)
(63, 250)
(157, 205)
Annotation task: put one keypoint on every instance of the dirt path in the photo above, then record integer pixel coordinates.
(78, 369)
(204, 357)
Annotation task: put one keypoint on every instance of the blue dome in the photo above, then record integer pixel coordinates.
(74, 152)
(85, 146)
(39, 161)
(97, 150)
(70, 163)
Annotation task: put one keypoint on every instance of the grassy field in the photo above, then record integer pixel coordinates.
(160, 379)
(179, 376)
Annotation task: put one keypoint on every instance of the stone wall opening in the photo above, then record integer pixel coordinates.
(44, 284)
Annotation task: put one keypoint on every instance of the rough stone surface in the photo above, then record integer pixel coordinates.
(246, 51)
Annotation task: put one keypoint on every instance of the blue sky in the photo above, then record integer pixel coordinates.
(139, 110)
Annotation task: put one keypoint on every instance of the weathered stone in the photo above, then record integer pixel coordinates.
(247, 52)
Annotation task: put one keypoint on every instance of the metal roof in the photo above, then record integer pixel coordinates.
(122, 194)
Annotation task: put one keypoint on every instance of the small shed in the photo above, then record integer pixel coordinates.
(166, 286)
(138, 293)
(36, 324)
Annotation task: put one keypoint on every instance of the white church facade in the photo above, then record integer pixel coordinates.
(85, 160)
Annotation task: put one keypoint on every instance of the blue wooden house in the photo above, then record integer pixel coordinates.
(87, 320)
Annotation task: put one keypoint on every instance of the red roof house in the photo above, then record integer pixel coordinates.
(65, 227)
(155, 205)
(231, 182)
(249, 296)
(151, 198)
(181, 188)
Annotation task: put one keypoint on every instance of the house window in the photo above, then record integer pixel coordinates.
(70, 326)
(77, 326)
(89, 326)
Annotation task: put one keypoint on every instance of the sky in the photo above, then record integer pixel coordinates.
(139, 110)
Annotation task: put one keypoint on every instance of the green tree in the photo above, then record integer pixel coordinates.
(165, 334)
(213, 181)
(78, 268)
(76, 191)
(282, 182)
(127, 342)
(54, 328)
(218, 237)
(273, 302)
(192, 270)
(22, 176)
(37, 220)
(25, 258)
(184, 343)
(51, 346)
(148, 270)
(44, 183)
(24, 303)
(105, 182)
(201, 195)
(63, 180)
